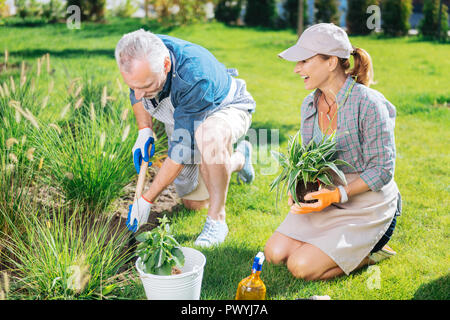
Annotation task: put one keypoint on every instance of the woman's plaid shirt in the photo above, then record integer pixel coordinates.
(365, 131)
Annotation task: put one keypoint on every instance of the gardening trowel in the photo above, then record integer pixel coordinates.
(139, 188)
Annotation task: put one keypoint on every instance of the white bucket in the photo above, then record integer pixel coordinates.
(184, 286)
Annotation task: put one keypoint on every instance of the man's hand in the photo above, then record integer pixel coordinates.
(138, 214)
(326, 198)
(140, 149)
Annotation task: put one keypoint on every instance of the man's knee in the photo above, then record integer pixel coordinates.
(196, 204)
(213, 138)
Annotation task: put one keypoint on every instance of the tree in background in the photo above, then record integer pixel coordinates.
(429, 24)
(192, 11)
(327, 11)
(395, 16)
(261, 13)
(92, 10)
(356, 18)
(228, 11)
(291, 8)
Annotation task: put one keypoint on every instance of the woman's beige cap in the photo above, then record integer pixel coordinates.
(324, 38)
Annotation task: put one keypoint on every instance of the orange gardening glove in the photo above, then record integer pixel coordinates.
(325, 196)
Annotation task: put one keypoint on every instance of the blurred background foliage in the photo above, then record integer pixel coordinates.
(429, 18)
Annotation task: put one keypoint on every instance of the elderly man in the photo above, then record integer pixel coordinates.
(205, 111)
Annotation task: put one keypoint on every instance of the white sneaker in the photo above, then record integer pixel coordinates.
(214, 232)
(382, 254)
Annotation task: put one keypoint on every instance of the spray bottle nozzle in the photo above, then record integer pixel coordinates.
(258, 262)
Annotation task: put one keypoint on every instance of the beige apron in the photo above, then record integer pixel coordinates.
(346, 232)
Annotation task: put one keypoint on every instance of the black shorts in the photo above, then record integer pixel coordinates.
(387, 236)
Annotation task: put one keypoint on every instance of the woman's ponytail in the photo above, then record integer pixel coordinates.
(363, 68)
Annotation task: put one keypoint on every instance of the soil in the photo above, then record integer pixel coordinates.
(176, 270)
(167, 202)
(302, 191)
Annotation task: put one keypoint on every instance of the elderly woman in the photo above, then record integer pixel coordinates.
(347, 227)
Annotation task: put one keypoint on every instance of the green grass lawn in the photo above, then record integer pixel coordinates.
(412, 74)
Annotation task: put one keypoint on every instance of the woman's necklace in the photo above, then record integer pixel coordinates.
(329, 107)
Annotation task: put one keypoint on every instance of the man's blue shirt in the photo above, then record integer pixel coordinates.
(197, 83)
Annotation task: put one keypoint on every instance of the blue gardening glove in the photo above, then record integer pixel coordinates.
(140, 148)
(138, 214)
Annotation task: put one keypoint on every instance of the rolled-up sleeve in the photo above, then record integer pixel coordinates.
(378, 145)
(191, 108)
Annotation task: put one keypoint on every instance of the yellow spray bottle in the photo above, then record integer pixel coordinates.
(252, 287)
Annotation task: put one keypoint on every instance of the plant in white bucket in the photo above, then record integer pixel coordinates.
(167, 270)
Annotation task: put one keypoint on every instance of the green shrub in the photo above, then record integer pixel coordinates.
(92, 10)
(124, 9)
(28, 8)
(17, 175)
(53, 11)
(228, 11)
(88, 151)
(429, 24)
(356, 18)
(33, 11)
(327, 11)
(261, 13)
(179, 12)
(395, 16)
(20, 105)
(89, 161)
(65, 254)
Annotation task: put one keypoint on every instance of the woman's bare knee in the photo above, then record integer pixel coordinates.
(299, 267)
(274, 254)
(309, 263)
(279, 247)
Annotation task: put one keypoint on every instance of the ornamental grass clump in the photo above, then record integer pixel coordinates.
(88, 150)
(64, 254)
(90, 164)
(306, 167)
(160, 253)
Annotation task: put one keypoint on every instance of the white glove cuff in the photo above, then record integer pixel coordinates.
(146, 131)
(344, 197)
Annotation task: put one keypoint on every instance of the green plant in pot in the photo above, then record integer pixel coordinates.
(159, 263)
(159, 251)
(306, 167)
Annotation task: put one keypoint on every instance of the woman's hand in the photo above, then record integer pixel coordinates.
(325, 198)
(290, 200)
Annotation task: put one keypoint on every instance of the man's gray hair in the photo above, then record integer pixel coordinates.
(141, 44)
